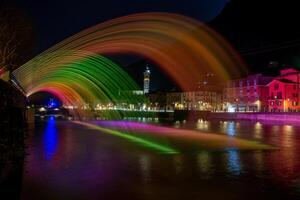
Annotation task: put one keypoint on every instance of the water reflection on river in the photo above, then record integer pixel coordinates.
(68, 161)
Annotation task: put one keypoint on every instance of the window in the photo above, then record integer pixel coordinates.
(276, 87)
(294, 87)
(279, 95)
(278, 103)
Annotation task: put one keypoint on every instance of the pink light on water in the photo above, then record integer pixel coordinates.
(201, 139)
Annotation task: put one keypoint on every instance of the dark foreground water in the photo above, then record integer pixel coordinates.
(69, 161)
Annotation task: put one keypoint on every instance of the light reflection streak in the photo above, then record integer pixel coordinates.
(178, 164)
(259, 161)
(228, 127)
(203, 140)
(204, 164)
(147, 143)
(233, 161)
(203, 125)
(231, 129)
(288, 136)
(145, 164)
(258, 130)
(50, 138)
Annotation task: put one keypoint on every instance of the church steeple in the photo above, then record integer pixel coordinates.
(147, 79)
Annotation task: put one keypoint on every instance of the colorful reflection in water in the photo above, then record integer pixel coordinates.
(90, 164)
(139, 140)
(204, 163)
(201, 140)
(233, 163)
(229, 127)
(178, 164)
(145, 166)
(258, 130)
(203, 125)
(50, 138)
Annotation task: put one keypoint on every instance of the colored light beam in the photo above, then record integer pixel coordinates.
(147, 143)
(202, 140)
(79, 78)
(184, 48)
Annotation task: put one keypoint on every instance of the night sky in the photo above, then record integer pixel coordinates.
(56, 20)
(261, 32)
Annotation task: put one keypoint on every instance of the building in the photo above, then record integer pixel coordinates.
(283, 96)
(147, 80)
(206, 96)
(249, 94)
(194, 100)
(205, 100)
(174, 101)
(284, 92)
(290, 74)
(157, 100)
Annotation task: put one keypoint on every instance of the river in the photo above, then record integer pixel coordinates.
(69, 161)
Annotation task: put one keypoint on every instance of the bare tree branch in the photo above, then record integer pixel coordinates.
(15, 38)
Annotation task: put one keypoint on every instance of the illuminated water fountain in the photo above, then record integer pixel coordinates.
(76, 71)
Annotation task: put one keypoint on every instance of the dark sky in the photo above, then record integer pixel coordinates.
(261, 30)
(55, 20)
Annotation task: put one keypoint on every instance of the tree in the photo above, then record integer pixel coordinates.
(16, 38)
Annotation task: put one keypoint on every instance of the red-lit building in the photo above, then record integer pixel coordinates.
(284, 92)
(249, 94)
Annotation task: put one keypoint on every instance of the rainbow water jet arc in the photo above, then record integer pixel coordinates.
(184, 48)
(77, 78)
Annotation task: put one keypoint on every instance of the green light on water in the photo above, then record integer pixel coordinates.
(150, 144)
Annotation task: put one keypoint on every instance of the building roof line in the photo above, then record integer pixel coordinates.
(284, 81)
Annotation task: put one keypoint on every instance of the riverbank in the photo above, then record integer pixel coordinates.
(275, 117)
(12, 126)
(255, 116)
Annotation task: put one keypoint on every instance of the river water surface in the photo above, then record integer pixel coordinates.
(69, 161)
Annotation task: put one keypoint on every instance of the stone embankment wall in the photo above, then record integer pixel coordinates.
(280, 117)
(181, 115)
(12, 129)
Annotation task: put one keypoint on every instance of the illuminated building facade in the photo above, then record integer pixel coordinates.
(174, 101)
(284, 92)
(195, 100)
(206, 96)
(247, 95)
(202, 100)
